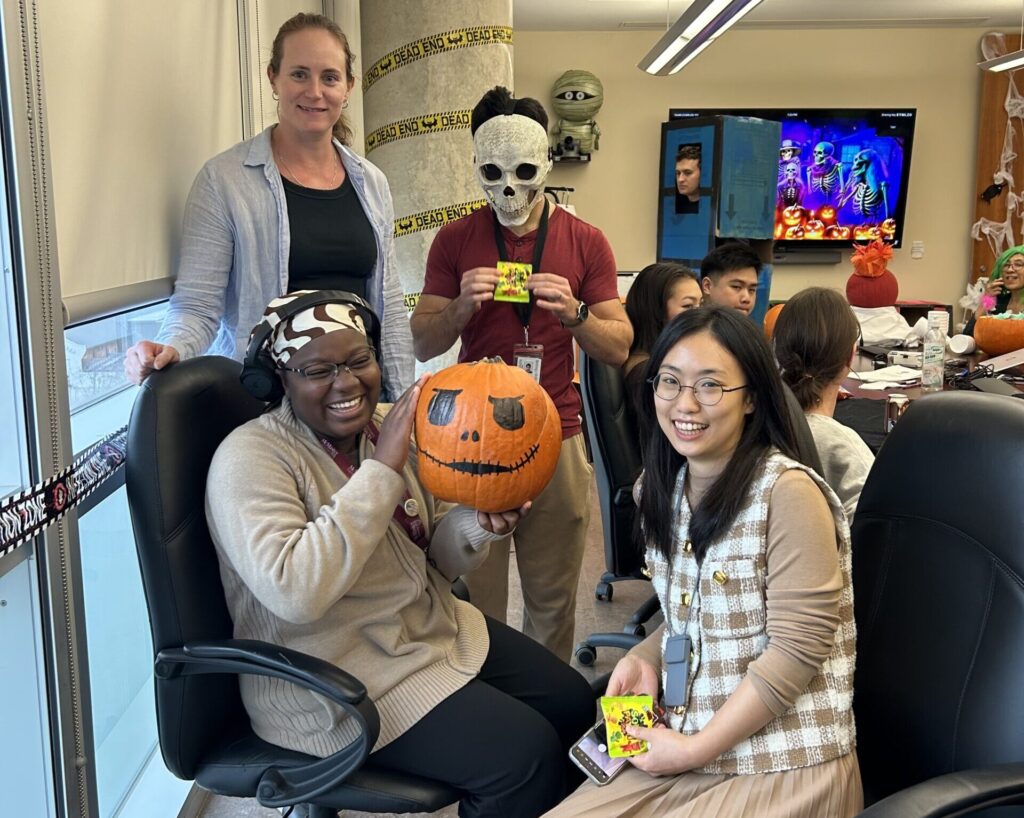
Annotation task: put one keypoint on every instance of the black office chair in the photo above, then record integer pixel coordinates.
(179, 418)
(614, 445)
(938, 577)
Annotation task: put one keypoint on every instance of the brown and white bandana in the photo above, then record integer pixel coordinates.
(292, 334)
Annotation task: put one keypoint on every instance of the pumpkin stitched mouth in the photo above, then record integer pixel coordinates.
(479, 468)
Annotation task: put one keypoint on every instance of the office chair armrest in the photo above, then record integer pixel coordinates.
(284, 786)
(955, 793)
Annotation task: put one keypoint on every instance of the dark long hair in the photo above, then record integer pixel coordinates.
(767, 426)
(813, 339)
(646, 299)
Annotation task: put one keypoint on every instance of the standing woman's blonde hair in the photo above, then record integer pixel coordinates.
(300, 22)
(813, 338)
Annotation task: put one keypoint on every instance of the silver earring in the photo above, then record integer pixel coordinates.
(275, 95)
(344, 105)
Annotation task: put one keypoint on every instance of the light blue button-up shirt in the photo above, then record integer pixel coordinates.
(234, 258)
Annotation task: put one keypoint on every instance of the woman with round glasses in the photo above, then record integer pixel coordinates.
(1004, 291)
(750, 555)
(329, 544)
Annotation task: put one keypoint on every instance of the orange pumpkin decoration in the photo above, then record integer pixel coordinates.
(888, 228)
(815, 229)
(770, 318)
(488, 435)
(793, 215)
(866, 232)
(795, 232)
(827, 214)
(997, 336)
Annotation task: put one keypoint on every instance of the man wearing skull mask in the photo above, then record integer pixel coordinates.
(573, 295)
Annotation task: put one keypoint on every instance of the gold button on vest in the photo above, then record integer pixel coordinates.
(720, 577)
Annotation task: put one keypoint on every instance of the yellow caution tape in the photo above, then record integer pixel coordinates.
(417, 126)
(438, 217)
(435, 44)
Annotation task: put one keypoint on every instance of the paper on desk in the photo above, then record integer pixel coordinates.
(889, 374)
(878, 386)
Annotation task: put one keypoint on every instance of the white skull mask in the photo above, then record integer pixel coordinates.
(511, 163)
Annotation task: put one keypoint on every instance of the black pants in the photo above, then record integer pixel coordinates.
(504, 738)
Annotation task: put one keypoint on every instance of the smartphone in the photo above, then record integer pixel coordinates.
(590, 754)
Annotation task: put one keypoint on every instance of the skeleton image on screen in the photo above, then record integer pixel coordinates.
(867, 186)
(825, 175)
(791, 188)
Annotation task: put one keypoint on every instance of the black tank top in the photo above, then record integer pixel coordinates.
(332, 241)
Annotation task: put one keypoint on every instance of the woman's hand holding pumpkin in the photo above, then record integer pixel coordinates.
(502, 522)
(396, 429)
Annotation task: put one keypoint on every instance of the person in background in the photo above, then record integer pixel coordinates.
(1004, 291)
(292, 208)
(815, 340)
(329, 544)
(729, 276)
(573, 297)
(750, 557)
(688, 179)
(657, 295)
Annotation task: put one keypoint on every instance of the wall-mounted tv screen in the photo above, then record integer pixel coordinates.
(843, 173)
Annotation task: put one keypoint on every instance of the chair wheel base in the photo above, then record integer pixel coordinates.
(635, 630)
(604, 592)
(586, 654)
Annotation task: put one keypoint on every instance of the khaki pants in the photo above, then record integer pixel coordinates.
(549, 553)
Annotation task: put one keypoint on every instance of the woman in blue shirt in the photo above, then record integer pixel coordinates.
(292, 208)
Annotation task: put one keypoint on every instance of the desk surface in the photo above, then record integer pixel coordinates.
(864, 410)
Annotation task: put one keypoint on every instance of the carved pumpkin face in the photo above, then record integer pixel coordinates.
(488, 435)
(866, 232)
(795, 232)
(889, 228)
(793, 215)
(815, 229)
(827, 214)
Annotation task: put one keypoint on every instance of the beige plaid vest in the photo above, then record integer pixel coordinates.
(727, 629)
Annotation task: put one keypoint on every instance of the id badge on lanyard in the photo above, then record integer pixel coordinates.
(528, 357)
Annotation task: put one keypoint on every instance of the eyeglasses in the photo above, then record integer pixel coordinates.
(705, 392)
(322, 373)
(1016, 264)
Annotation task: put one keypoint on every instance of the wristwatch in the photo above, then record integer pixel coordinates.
(582, 313)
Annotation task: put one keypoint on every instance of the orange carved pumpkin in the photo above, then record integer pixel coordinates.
(997, 336)
(793, 215)
(827, 214)
(888, 228)
(795, 232)
(815, 229)
(488, 435)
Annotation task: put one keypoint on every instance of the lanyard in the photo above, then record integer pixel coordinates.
(406, 512)
(524, 310)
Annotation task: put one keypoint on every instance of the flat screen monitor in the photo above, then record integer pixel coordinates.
(843, 173)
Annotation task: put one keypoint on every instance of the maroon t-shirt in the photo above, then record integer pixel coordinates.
(574, 249)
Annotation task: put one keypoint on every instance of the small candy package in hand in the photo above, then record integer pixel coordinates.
(621, 712)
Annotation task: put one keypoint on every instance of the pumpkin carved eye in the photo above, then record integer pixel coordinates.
(442, 406)
(508, 412)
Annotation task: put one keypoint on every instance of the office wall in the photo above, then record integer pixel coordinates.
(931, 69)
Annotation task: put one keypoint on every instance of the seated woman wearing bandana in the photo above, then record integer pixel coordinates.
(328, 544)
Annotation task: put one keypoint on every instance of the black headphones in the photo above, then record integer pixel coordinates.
(259, 375)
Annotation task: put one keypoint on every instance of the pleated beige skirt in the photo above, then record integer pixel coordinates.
(829, 790)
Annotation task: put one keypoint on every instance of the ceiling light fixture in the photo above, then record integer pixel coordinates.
(699, 26)
(1015, 59)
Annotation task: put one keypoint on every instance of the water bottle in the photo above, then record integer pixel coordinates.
(934, 353)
